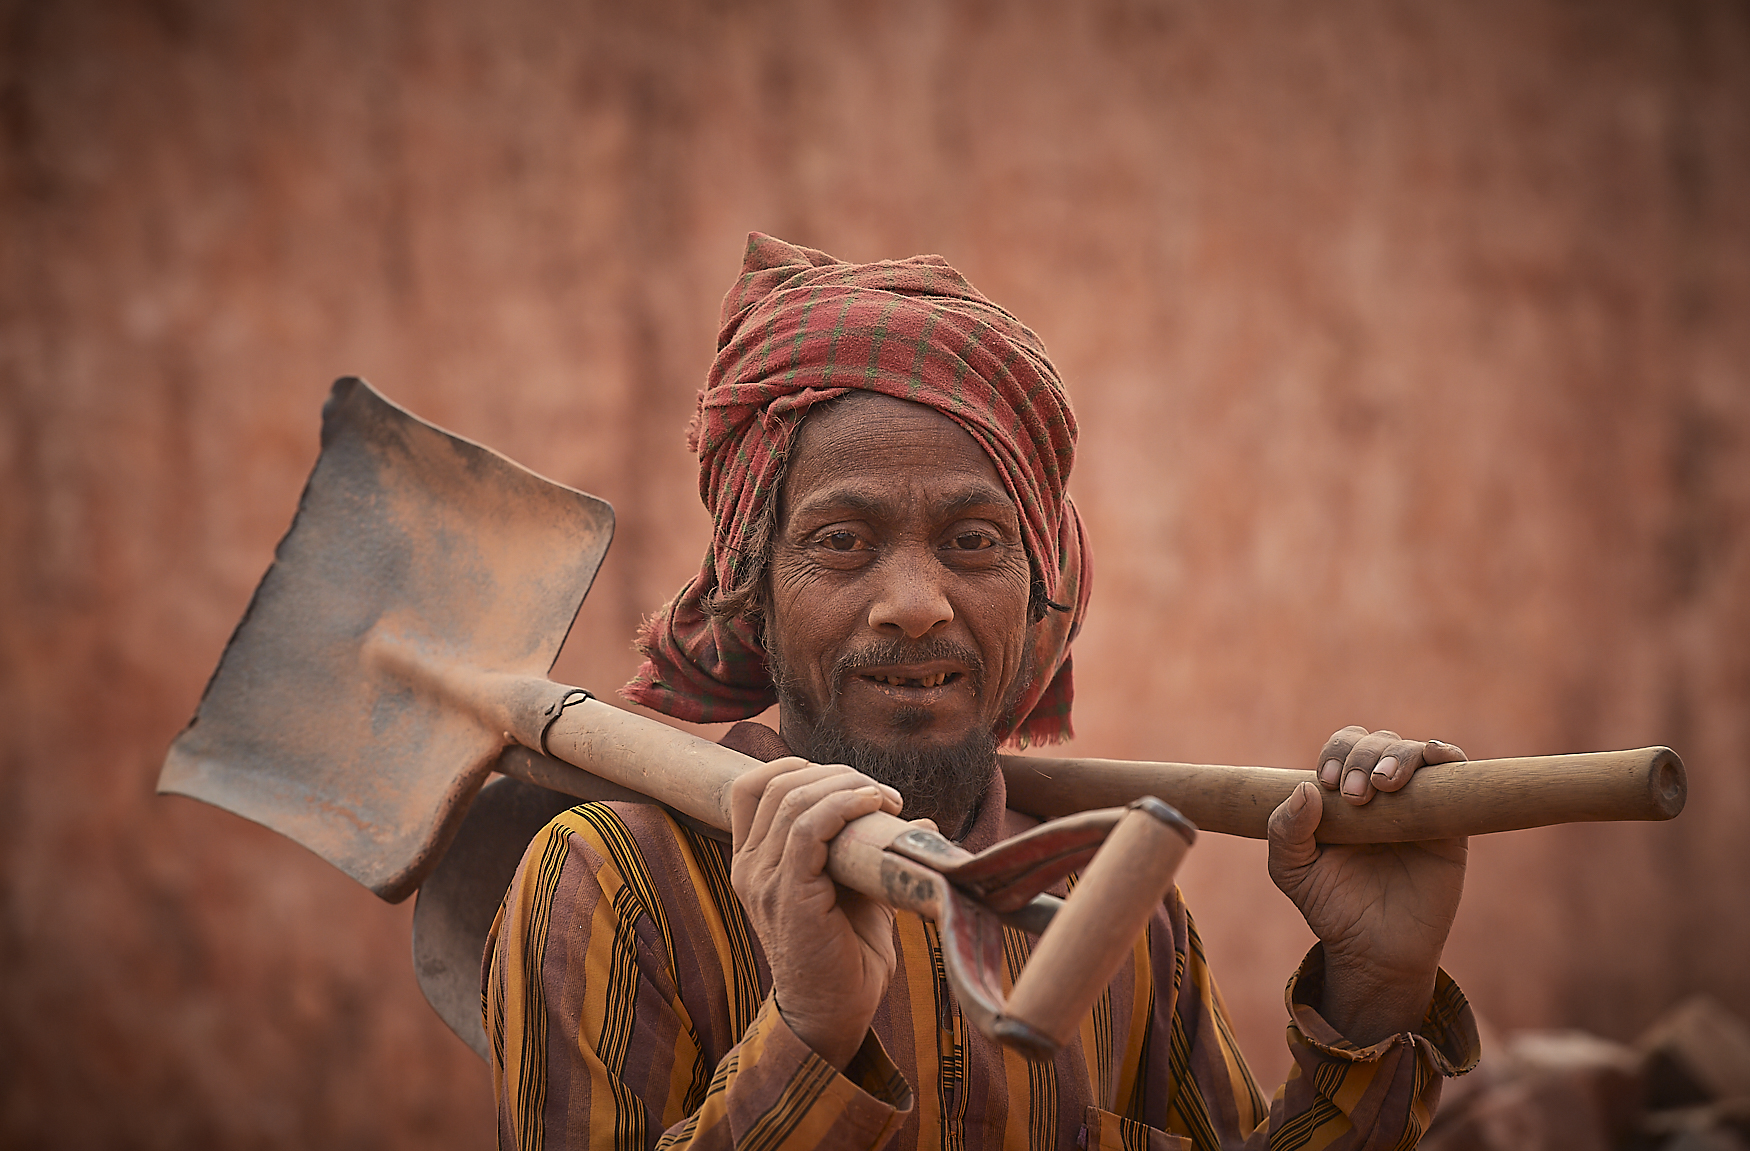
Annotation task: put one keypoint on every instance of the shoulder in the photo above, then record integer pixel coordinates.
(634, 844)
(624, 830)
(615, 887)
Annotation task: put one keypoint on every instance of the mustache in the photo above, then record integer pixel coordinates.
(887, 653)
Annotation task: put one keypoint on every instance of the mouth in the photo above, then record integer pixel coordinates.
(935, 680)
(917, 681)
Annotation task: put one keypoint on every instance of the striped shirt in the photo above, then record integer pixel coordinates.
(627, 1003)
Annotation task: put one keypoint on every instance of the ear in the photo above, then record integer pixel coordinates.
(1038, 602)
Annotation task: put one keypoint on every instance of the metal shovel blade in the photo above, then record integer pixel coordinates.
(452, 548)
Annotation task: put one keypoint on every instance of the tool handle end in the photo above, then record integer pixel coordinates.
(1100, 921)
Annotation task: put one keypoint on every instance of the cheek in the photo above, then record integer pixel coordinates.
(1005, 626)
(793, 578)
(807, 617)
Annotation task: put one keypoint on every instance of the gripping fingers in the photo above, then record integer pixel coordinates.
(1335, 751)
(747, 790)
(821, 816)
(793, 796)
(1367, 753)
(767, 800)
(1396, 764)
(1358, 762)
(1435, 751)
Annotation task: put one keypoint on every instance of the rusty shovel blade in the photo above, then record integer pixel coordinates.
(457, 551)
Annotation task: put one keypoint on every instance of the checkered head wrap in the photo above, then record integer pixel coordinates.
(801, 328)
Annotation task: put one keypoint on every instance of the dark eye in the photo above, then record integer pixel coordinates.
(840, 541)
(973, 542)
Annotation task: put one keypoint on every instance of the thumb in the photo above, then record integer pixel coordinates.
(1292, 826)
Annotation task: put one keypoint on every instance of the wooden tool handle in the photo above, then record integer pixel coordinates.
(674, 767)
(693, 776)
(1095, 929)
(1442, 800)
(645, 758)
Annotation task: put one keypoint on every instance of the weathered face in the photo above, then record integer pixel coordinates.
(898, 609)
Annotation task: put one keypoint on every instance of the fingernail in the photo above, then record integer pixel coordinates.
(1386, 769)
(1355, 785)
(1297, 801)
(1328, 772)
(1438, 743)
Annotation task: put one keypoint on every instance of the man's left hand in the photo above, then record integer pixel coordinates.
(1382, 911)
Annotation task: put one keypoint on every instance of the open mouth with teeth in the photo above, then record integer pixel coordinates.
(935, 680)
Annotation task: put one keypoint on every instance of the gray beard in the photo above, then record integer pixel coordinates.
(944, 783)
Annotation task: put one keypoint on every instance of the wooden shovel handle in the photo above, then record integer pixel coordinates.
(644, 758)
(674, 767)
(693, 776)
(1440, 801)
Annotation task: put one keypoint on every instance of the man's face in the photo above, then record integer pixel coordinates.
(897, 618)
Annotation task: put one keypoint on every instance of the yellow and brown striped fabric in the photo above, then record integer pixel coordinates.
(627, 1004)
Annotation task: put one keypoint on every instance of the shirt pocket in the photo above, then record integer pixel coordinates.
(1104, 1131)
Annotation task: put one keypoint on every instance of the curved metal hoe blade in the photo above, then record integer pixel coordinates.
(410, 531)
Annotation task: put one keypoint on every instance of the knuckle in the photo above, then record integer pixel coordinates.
(800, 847)
(1373, 744)
(847, 778)
(792, 805)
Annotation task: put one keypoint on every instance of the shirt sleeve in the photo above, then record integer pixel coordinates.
(1338, 1096)
(593, 1046)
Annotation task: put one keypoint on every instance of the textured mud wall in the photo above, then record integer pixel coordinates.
(1410, 343)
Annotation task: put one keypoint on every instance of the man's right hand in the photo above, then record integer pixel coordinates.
(830, 949)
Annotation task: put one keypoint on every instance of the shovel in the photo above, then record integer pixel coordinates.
(395, 655)
(399, 645)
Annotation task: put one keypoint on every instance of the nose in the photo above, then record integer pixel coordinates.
(910, 597)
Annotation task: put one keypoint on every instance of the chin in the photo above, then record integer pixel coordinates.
(921, 727)
(942, 772)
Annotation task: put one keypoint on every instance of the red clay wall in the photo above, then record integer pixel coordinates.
(1409, 342)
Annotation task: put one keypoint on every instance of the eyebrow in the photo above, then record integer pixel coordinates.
(859, 500)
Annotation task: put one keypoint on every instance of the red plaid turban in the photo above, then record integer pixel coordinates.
(801, 328)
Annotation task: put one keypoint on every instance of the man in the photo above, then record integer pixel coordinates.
(896, 565)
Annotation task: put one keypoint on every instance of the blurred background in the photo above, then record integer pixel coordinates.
(1409, 342)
